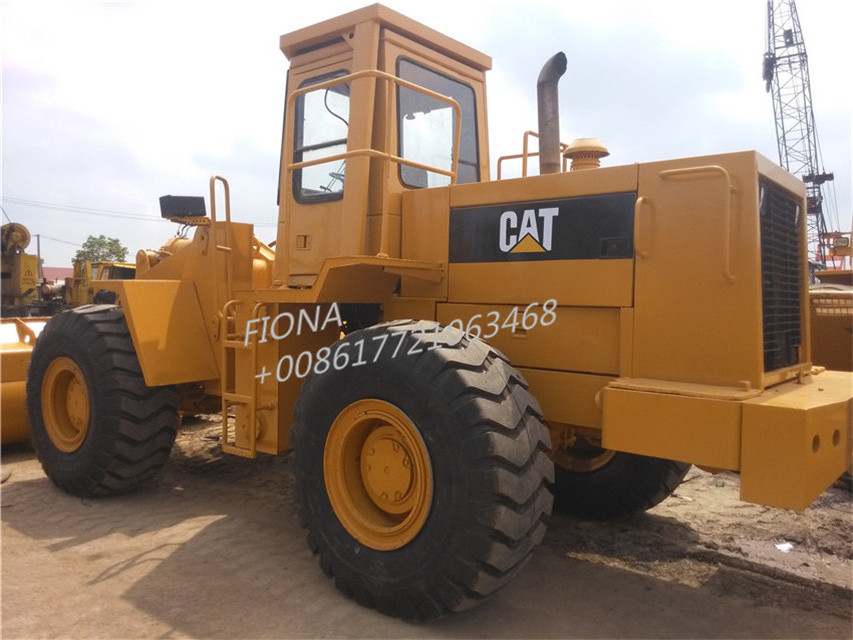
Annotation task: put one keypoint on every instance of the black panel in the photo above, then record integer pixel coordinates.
(182, 207)
(583, 228)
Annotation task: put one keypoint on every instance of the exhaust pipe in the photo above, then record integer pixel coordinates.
(549, 113)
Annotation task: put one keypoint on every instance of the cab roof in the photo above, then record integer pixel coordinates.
(338, 29)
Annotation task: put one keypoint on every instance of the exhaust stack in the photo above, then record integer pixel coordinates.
(549, 113)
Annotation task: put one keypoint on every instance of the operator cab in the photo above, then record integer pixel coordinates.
(377, 105)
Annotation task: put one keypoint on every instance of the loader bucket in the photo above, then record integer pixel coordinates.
(17, 338)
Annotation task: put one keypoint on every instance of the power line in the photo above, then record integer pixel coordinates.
(83, 210)
(95, 212)
(41, 235)
(6, 214)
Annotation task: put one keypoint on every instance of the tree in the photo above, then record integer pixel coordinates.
(101, 249)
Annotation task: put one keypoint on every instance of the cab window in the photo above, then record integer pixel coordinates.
(321, 127)
(426, 127)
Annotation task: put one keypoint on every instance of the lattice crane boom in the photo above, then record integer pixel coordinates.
(786, 74)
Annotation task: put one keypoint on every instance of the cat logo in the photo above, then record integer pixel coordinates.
(532, 235)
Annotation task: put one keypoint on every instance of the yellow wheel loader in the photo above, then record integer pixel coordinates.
(442, 352)
(83, 287)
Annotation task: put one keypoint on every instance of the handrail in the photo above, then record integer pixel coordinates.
(382, 75)
(213, 180)
(638, 247)
(227, 247)
(375, 74)
(694, 172)
(525, 154)
(371, 153)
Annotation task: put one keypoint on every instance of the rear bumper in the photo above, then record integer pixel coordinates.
(796, 440)
(790, 442)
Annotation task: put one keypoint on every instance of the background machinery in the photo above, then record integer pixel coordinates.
(786, 74)
(83, 287)
(27, 302)
(20, 270)
(19, 331)
(439, 350)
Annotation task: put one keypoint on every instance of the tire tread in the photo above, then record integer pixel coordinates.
(505, 444)
(132, 427)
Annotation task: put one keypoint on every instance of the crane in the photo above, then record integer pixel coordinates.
(786, 74)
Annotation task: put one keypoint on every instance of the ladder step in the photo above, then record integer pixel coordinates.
(236, 344)
(238, 451)
(237, 398)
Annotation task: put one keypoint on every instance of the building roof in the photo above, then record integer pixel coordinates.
(57, 273)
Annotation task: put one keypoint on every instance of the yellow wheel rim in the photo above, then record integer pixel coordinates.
(579, 453)
(65, 404)
(378, 474)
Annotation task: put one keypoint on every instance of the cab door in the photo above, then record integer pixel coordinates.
(323, 182)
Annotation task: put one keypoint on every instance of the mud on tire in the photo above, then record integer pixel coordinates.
(488, 472)
(96, 427)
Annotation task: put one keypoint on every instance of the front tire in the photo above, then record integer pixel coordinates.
(96, 427)
(422, 477)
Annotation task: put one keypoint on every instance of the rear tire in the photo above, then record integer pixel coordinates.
(605, 484)
(96, 427)
(457, 503)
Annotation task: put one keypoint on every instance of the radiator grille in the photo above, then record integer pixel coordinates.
(781, 266)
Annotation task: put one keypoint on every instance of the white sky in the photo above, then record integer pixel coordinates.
(109, 105)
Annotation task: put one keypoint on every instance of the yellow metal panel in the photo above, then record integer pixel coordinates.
(579, 339)
(22, 278)
(398, 308)
(297, 42)
(425, 236)
(14, 362)
(354, 279)
(626, 342)
(697, 296)
(688, 389)
(832, 328)
(567, 398)
(796, 440)
(27, 275)
(288, 391)
(354, 283)
(14, 420)
(168, 330)
(17, 337)
(556, 185)
(582, 283)
(703, 431)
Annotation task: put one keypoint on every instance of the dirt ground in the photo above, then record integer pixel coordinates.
(215, 550)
